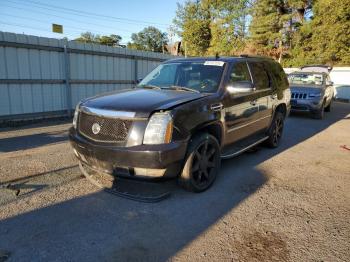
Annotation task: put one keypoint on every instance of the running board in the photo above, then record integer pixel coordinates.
(242, 150)
(134, 197)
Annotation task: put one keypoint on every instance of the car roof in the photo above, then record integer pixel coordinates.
(223, 59)
(316, 68)
(307, 73)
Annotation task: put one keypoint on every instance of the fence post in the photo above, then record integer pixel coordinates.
(135, 69)
(67, 81)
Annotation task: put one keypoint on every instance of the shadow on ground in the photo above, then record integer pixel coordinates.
(16, 143)
(100, 226)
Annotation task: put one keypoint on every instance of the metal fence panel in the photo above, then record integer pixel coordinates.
(34, 73)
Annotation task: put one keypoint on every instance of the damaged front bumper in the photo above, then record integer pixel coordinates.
(142, 161)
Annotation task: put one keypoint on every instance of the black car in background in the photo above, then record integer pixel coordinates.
(182, 118)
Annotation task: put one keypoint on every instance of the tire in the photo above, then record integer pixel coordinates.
(202, 163)
(275, 130)
(328, 108)
(319, 114)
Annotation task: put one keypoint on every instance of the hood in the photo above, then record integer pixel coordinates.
(141, 101)
(314, 89)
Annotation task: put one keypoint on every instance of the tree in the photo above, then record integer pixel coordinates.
(112, 40)
(149, 39)
(88, 37)
(277, 25)
(267, 34)
(299, 31)
(193, 26)
(210, 27)
(330, 40)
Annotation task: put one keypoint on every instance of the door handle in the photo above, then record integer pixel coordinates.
(216, 107)
(253, 103)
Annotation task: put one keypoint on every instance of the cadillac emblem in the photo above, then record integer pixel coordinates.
(96, 128)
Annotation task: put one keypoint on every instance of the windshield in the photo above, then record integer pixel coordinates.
(201, 77)
(306, 79)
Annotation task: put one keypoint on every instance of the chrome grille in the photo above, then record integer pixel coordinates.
(296, 95)
(112, 130)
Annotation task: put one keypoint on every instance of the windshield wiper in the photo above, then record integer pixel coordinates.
(183, 88)
(150, 87)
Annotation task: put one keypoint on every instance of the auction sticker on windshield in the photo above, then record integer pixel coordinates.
(214, 63)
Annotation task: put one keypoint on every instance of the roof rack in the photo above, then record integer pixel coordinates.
(255, 56)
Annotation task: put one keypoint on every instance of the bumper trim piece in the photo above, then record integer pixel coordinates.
(138, 198)
(108, 113)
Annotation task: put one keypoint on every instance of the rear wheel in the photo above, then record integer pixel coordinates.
(202, 163)
(275, 131)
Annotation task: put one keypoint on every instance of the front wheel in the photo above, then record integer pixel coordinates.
(319, 114)
(275, 131)
(202, 163)
(328, 108)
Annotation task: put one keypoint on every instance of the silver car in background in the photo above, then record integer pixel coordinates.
(312, 90)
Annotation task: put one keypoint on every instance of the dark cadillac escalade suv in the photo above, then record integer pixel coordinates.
(182, 118)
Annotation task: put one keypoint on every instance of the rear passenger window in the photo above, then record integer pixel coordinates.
(240, 73)
(261, 78)
(279, 75)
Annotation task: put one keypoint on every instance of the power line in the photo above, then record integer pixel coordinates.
(66, 18)
(47, 22)
(71, 11)
(95, 14)
(41, 29)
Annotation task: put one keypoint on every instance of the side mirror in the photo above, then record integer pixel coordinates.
(138, 80)
(240, 88)
(329, 83)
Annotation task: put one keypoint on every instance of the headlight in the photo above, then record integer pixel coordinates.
(315, 95)
(75, 117)
(159, 129)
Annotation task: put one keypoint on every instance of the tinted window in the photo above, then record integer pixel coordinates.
(201, 76)
(278, 73)
(261, 78)
(240, 73)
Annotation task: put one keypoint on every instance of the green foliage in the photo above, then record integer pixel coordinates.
(210, 27)
(88, 37)
(111, 40)
(193, 23)
(149, 39)
(330, 41)
(228, 26)
(268, 18)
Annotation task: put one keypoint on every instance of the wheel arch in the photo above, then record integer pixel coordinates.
(282, 107)
(213, 128)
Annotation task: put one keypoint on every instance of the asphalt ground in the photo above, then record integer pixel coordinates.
(286, 204)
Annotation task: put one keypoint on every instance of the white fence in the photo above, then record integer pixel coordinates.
(44, 76)
(341, 78)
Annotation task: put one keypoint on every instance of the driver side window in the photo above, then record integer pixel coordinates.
(165, 76)
(240, 73)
